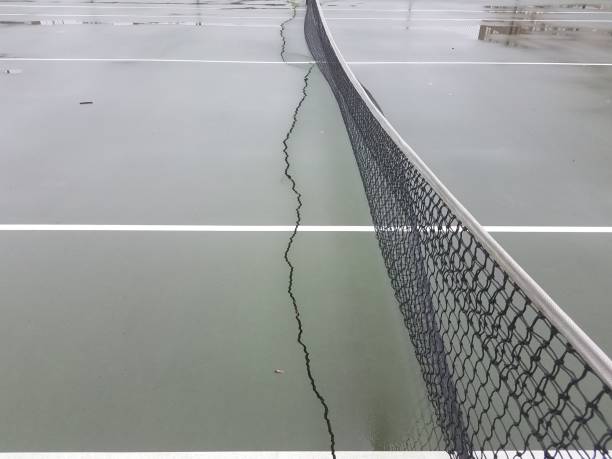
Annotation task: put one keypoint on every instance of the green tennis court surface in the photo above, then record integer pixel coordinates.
(169, 341)
(509, 103)
(149, 265)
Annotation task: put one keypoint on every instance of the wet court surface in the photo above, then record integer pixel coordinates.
(484, 93)
(170, 341)
(194, 133)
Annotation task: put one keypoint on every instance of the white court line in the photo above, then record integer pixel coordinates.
(207, 61)
(139, 7)
(549, 229)
(492, 11)
(189, 228)
(155, 16)
(145, 60)
(411, 19)
(287, 455)
(281, 228)
(564, 64)
(202, 23)
(235, 455)
(280, 8)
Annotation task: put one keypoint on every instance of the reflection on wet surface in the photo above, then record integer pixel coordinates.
(508, 34)
(578, 7)
(526, 21)
(65, 22)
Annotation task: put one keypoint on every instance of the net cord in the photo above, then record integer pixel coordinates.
(585, 346)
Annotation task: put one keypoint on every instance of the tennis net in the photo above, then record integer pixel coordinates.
(507, 372)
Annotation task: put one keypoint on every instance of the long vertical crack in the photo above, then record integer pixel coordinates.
(282, 30)
(296, 309)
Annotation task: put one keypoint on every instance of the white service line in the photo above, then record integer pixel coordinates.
(280, 228)
(548, 229)
(139, 7)
(565, 64)
(146, 60)
(154, 16)
(235, 455)
(188, 228)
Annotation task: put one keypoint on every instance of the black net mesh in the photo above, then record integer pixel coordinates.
(500, 377)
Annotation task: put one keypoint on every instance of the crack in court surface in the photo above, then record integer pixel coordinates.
(282, 31)
(298, 221)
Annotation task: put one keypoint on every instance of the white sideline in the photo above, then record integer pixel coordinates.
(280, 228)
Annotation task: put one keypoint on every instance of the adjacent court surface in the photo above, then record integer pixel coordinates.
(146, 210)
(510, 104)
